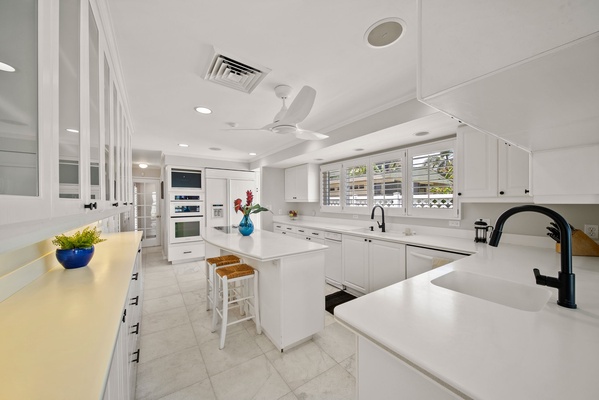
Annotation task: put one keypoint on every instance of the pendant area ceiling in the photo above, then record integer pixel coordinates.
(164, 48)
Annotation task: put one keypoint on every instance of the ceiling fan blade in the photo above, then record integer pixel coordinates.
(309, 135)
(300, 108)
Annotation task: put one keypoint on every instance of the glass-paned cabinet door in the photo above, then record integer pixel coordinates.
(19, 98)
(114, 142)
(108, 186)
(69, 139)
(94, 109)
(24, 97)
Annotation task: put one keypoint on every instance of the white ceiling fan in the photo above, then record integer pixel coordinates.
(287, 119)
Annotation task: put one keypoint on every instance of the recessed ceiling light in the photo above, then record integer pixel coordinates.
(359, 149)
(6, 68)
(252, 154)
(203, 110)
(423, 133)
(72, 130)
(215, 148)
(384, 33)
(183, 145)
(143, 165)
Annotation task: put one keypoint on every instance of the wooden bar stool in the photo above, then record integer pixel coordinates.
(226, 295)
(212, 264)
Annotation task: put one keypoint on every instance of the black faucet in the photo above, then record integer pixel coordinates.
(380, 224)
(565, 278)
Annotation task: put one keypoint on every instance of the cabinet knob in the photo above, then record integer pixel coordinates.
(90, 206)
(502, 192)
(134, 301)
(136, 331)
(526, 191)
(134, 276)
(369, 241)
(459, 193)
(365, 240)
(115, 204)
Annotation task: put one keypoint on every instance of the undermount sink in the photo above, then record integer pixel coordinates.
(500, 291)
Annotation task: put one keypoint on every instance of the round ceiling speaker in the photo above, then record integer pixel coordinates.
(384, 32)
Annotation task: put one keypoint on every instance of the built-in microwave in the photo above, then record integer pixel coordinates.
(182, 196)
(186, 179)
(186, 229)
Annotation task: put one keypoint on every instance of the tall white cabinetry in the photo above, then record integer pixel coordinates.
(68, 152)
(491, 169)
(370, 264)
(301, 183)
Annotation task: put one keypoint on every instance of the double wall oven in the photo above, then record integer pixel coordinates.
(186, 211)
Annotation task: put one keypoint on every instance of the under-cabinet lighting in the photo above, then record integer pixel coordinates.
(183, 145)
(143, 165)
(6, 68)
(72, 130)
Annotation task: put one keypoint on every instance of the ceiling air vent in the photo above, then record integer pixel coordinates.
(233, 73)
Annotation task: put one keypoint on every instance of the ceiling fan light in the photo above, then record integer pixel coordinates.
(284, 129)
(203, 110)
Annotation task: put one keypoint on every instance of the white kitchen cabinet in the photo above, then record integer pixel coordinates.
(566, 176)
(524, 71)
(301, 183)
(370, 264)
(491, 169)
(311, 235)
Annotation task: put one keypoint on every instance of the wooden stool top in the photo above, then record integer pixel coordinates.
(235, 271)
(223, 260)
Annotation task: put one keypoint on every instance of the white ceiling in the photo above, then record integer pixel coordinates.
(162, 46)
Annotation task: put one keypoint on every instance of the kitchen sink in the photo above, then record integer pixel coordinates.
(507, 293)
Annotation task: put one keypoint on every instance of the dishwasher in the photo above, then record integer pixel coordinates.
(423, 259)
(333, 266)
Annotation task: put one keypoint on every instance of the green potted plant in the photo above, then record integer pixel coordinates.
(77, 250)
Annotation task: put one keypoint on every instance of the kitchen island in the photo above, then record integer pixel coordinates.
(290, 280)
(422, 338)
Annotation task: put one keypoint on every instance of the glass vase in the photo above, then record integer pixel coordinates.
(246, 226)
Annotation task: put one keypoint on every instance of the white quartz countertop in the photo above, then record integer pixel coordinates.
(487, 350)
(58, 333)
(260, 245)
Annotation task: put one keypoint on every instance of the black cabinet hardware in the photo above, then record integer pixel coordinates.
(526, 191)
(91, 206)
(187, 252)
(134, 301)
(115, 204)
(124, 315)
(459, 193)
(136, 331)
(502, 192)
(134, 276)
(136, 353)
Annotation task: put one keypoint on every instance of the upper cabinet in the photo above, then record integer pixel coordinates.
(301, 183)
(523, 71)
(492, 169)
(65, 131)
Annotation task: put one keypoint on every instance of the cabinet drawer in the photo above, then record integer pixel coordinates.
(186, 251)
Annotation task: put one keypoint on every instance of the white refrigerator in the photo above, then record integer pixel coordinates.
(222, 188)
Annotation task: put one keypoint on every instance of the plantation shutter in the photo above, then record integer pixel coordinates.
(356, 184)
(432, 179)
(387, 182)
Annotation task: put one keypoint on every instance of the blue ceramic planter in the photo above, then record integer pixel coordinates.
(75, 258)
(246, 226)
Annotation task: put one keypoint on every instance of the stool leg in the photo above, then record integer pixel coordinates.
(257, 304)
(209, 284)
(223, 328)
(215, 301)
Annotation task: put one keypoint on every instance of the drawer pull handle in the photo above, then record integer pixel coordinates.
(115, 204)
(136, 353)
(136, 331)
(134, 301)
(134, 276)
(124, 315)
(187, 252)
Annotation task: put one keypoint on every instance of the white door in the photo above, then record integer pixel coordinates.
(146, 210)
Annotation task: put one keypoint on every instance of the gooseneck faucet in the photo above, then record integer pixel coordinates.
(382, 223)
(565, 278)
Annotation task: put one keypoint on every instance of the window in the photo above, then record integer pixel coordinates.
(417, 181)
(432, 179)
(330, 181)
(387, 181)
(356, 183)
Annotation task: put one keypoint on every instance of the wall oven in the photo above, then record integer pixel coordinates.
(186, 229)
(186, 209)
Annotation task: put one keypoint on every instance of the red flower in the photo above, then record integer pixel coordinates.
(237, 204)
(250, 198)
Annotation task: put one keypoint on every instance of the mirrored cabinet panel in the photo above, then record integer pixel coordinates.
(19, 98)
(69, 131)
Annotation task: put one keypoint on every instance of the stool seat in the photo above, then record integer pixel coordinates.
(223, 260)
(235, 271)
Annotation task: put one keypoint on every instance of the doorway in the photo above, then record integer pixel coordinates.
(146, 210)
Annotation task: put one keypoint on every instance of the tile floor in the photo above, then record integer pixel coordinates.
(180, 358)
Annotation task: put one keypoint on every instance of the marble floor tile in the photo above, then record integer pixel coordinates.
(162, 303)
(239, 347)
(328, 289)
(198, 391)
(328, 318)
(336, 341)
(300, 364)
(168, 374)
(162, 320)
(197, 296)
(188, 268)
(190, 286)
(350, 365)
(253, 379)
(158, 344)
(289, 396)
(191, 276)
(151, 270)
(156, 273)
(152, 283)
(334, 384)
(162, 291)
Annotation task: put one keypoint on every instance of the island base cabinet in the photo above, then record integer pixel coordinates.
(383, 376)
